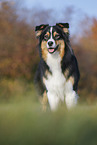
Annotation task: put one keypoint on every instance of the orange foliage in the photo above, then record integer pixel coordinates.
(94, 30)
(86, 51)
(18, 52)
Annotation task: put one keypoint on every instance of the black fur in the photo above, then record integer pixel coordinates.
(68, 62)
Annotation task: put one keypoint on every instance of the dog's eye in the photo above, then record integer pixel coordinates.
(57, 36)
(46, 37)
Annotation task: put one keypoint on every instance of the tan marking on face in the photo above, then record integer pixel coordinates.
(44, 50)
(55, 33)
(47, 34)
(61, 48)
(72, 80)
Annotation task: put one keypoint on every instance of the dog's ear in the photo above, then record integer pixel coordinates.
(39, 29)
(64, 26)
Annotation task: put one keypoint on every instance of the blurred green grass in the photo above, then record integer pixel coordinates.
(25, 124)
(16, 90)
(22, 121)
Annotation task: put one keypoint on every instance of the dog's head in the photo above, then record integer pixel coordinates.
(52, 38)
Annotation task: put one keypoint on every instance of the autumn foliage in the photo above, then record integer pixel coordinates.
(19, 52)
(86, 50)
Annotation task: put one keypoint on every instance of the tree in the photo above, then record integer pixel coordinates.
(86, 50)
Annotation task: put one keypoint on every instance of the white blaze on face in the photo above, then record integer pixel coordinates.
(51, 39)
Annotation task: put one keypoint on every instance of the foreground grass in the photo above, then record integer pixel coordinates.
(23, 123)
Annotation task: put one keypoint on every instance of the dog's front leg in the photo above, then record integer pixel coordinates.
(71, 96)
(53, 100)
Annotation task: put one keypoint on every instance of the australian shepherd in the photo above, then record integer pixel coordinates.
(57, 74)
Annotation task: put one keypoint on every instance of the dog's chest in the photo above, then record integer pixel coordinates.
(55, 82)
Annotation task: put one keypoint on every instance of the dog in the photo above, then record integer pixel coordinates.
(57, 75)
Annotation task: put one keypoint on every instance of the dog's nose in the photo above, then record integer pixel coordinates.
(50, 43)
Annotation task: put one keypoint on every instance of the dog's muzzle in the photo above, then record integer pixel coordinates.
(52, 50)
(51, 46)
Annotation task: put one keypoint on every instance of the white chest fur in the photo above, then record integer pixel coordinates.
(56, 84)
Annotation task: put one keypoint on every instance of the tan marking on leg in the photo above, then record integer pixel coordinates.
(44, 101)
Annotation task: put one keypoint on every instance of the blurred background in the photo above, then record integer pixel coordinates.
(22, 121)
(18, 45)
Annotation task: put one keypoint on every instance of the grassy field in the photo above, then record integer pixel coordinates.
(22, 122)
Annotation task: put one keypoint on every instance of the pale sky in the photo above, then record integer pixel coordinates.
(81, 9)
(87, 6)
